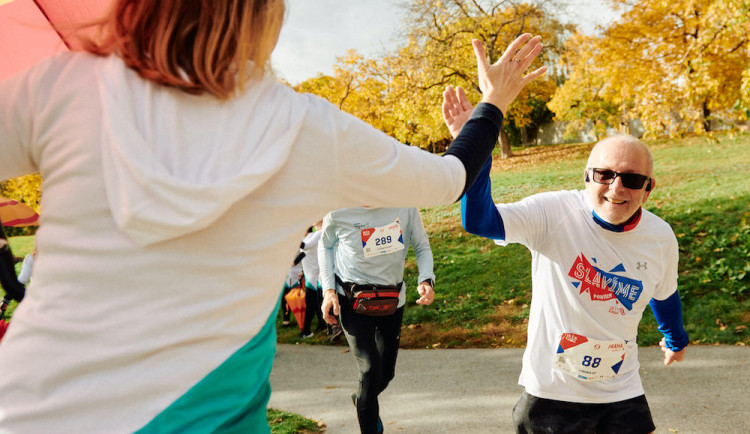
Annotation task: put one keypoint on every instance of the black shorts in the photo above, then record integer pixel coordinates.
(533, 415)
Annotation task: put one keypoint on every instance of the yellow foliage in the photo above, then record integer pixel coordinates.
(352, 88)
(26, 189)
(673, 65)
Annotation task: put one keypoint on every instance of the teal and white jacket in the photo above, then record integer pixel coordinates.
(168, 222)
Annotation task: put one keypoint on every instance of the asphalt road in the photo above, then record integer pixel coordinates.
(474, 390)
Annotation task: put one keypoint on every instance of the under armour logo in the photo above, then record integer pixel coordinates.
(640, 265)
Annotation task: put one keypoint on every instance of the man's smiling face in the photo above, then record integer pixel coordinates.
(615, 203)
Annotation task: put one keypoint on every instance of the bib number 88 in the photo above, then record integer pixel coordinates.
(589, 361)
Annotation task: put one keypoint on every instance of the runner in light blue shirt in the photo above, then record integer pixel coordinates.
(367, 247)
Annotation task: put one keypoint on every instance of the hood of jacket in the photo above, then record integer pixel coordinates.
(174, 162)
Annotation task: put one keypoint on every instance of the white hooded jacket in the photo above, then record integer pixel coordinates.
(168, 222)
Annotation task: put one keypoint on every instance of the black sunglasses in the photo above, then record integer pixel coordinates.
(633, 181)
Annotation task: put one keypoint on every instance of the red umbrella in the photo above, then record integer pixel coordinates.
(16, 214)
(33, 29)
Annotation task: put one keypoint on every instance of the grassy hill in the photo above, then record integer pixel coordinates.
(483, 290)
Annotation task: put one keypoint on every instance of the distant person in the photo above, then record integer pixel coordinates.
(173, 205)
(293, 280)
(308, 258)
(367, 248)
(598, 259)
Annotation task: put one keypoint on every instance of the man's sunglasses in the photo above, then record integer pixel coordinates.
(633, 181)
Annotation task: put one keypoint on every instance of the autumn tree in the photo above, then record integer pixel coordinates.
(438, 53)
(744, 103)
(353, 89)
(674, 65)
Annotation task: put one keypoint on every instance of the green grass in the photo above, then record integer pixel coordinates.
(283, 422)
(21, 246)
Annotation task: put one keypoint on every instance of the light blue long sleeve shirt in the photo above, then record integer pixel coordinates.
(341, 248)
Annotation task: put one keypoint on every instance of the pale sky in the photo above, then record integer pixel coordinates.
(316, 32)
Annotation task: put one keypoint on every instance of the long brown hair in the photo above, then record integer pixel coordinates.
(195, 45)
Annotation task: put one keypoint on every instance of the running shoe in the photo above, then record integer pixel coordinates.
(336, 333)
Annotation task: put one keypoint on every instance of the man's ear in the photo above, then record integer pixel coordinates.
(586, 176)
(649, 188)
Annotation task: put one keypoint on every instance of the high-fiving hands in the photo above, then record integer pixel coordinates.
(499, 82)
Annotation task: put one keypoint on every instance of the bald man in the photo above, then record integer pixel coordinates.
(598, 259)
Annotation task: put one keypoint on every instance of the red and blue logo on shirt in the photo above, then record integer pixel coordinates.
(602, 285)
(366, 234)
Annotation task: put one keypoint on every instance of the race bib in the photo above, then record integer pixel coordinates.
(589, 359)
(382, 240)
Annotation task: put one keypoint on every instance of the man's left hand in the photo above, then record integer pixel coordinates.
(427, 294)
(669, 355)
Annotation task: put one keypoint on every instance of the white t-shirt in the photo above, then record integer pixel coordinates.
(574, 261)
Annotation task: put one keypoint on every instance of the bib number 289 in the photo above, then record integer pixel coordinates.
(382, 241)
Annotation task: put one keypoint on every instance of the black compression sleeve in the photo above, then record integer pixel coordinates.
(477, 139)
(299, 257)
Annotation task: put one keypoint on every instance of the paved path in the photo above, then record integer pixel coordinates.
(474, 390)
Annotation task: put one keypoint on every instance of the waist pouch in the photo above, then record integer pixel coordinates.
(371, 300)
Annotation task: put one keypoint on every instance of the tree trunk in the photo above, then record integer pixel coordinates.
(505, 151)
(706, 115)
(524, 136)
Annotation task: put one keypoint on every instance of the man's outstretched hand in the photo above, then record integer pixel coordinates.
(456, 109)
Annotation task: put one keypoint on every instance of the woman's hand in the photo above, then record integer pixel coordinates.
(501, 81)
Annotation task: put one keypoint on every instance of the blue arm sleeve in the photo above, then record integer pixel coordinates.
(668, 314)
(479, 214)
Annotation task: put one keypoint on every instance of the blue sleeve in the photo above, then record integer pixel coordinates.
(479, 214)
(668, 314)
